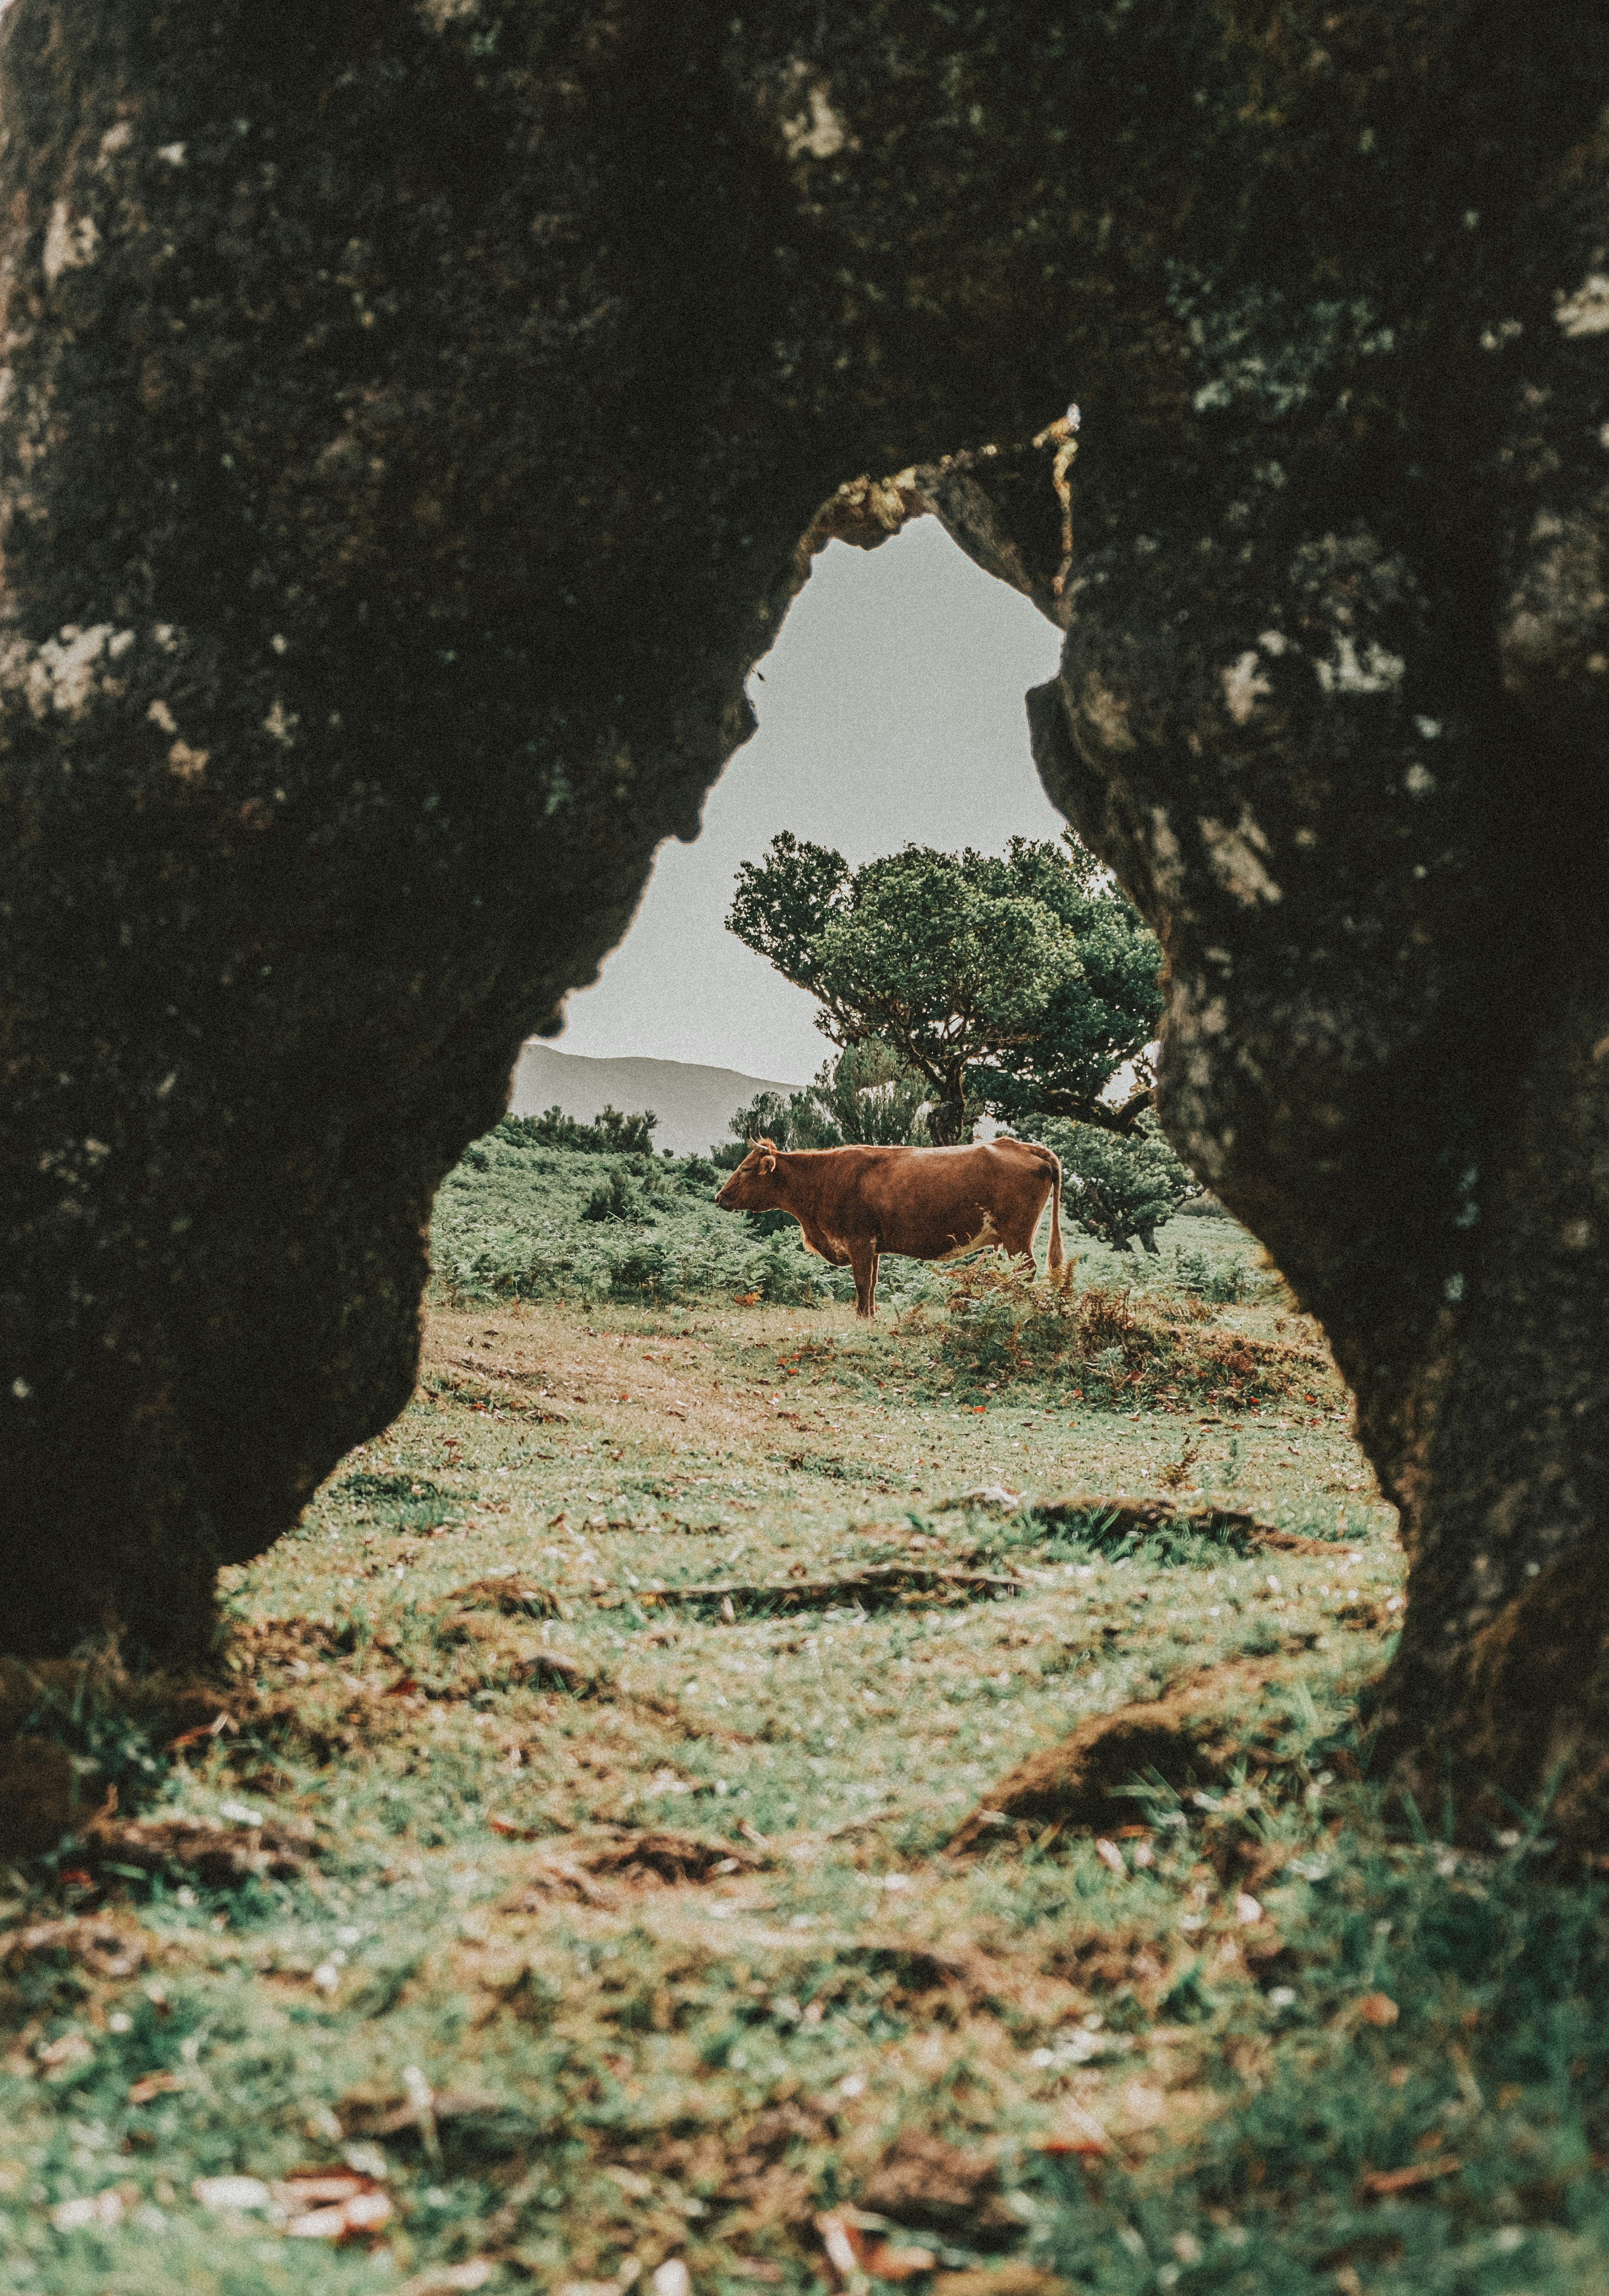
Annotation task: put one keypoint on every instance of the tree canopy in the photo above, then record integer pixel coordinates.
(1096, 1020)
(1012, 985)
(868, 1096)
(1119, 1187)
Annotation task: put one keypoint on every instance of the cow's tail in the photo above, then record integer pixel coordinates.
(1056, 1260)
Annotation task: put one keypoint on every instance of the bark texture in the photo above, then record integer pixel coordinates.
(412, 412)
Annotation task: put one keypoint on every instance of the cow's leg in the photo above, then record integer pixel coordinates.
(862, 1259)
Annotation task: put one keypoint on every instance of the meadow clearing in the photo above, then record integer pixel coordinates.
(640, 1835)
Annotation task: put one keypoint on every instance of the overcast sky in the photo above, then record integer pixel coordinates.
(891, 709)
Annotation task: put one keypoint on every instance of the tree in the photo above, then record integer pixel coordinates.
(1096, 1021)
(866, 1096)
(870, 1094)
(1117, 1186)
(944, 958)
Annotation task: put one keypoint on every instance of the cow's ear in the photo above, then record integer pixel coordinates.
(768, 1163)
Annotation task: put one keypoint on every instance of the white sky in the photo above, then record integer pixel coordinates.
(890, 709)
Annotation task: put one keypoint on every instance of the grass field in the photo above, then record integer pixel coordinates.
(654, 1836)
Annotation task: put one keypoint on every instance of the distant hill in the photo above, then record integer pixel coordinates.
(694, 1104)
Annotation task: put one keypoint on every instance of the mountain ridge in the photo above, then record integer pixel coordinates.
(694, 1103)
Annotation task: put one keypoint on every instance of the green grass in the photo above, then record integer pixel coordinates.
(627, 2067)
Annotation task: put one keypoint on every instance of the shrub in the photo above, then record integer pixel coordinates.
(1119, 1186)
(609, 1132)
(647, 1266)
(1224, 1283)
(783, 1275)
(771, 1222)
(614, 1199)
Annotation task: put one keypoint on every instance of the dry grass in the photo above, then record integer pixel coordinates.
(1118, 1345)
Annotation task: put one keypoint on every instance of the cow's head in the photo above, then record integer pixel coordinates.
(752, 1187)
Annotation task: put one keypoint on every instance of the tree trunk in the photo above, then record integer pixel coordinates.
(373, 370)
(946, 1121)
(1385, 1050)
(1345, 748)
(332, 337)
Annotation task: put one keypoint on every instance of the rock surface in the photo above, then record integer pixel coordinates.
(412, 418)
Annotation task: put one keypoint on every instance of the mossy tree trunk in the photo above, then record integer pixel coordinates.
(412, 413)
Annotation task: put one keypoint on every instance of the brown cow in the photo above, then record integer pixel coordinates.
(924, 1204)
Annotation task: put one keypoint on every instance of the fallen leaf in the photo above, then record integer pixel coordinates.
(316, 2188)
(153, 2085)
(843, 2242)
(1111, 1855)
(886, 2263)
(512, 1833)
(1379, 2182)
(1378, 2009)
(404, 1687)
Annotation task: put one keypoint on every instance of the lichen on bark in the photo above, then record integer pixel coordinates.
(412, 415)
